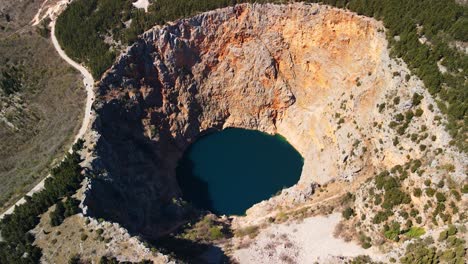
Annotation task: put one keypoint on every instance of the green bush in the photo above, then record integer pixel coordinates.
(440, 197)
(393, 232)
(348, 213)
(441, 184)
(416, 100)
(419, 219)
(465, 188)
(100, 231)
(366, 245)
(399, 117)
(456, 194)
(418, 112)
(452, 230)
(443, 235)
(56, 216)
(409, 116)
(417, 192)
(415, 232)
(430, 192)
(64, 210)
(418, 252)
(378, 200)
(216, 233)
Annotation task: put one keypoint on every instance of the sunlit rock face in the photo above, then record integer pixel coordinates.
(287, 69)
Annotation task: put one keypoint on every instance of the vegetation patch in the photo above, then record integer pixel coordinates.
(415, 232)
(251, 231)
(208, 229)
(16, 246)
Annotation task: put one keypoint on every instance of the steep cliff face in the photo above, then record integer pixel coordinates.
(311, 73)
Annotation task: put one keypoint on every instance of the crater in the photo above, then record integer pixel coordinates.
(311, 73)
(227, 172)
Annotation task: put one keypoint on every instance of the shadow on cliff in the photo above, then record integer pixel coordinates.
(194, 189)
(137, 188)
(134, 187)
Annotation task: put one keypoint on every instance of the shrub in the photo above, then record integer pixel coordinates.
(404, 214)
(415, 232)
(84, 237)
(392, 234)
(409, 116)
(452, 230)
(430, 192)
(419, 219)
(64, 210)
(441, 184)
(378, 200)
(381, 107)
(465, 188)
(418, 112)
(416, 165)
(250, 231)
(456, 194)
(216, 233)
(366, 245)
(427, 182)
(100, 231)
(440, 197)
(416, 100)
(362, 259)
(418, 252)
(348, 213)
(56, 216)
(399, 117)
(443, 235)
(395, 197)
(417, 192)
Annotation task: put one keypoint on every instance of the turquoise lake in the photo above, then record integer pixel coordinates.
(227, 172)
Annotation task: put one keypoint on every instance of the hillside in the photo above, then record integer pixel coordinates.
(41, 102)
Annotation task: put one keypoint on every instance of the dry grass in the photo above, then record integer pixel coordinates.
(47, 111)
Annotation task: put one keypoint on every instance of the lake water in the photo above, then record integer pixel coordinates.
(229, 171)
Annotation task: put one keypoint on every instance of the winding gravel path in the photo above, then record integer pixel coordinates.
(88, 82)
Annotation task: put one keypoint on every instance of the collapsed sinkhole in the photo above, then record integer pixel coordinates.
(278, 69)
(227, 172)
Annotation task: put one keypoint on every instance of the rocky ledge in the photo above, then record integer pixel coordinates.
(319, 76)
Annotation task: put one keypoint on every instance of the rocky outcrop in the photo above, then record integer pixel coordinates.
(312, 73)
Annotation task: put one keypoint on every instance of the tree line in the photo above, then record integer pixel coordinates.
(17, 244)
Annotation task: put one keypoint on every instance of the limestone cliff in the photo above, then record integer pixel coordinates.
(320, 76)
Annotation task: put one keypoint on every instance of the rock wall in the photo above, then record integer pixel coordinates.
(312, 73)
